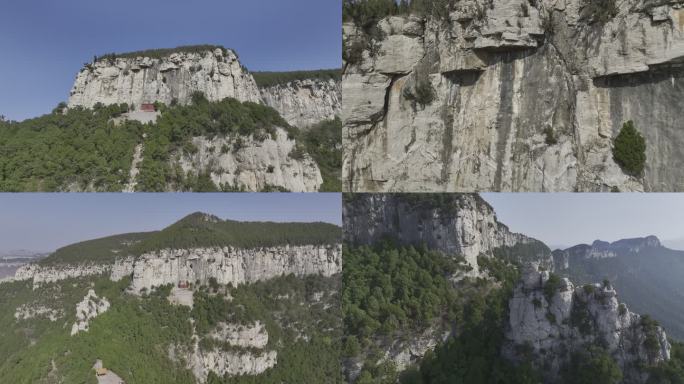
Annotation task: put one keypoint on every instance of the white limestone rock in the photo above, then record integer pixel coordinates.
(43, 274)
(470, 229)
(88, 309)
(303, 103)
(239, 335)
(245, 163)
(30, 311)
(545, 324)
(526, 98)
(145, 80)
(234, 266)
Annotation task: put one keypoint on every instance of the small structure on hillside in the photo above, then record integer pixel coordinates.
(148, 108)
(101, 371)
(183, 284)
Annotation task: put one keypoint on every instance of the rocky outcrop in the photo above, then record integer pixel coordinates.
(304, 103)
(43, 274)
(234, 266)
(527, 96)
(240, 335)
(238, 349)
(233, 363)
(30, 311)
(122, 267)
(455, 224)
(554, 320)
(216, 73)
(245, 163)
(88, 309)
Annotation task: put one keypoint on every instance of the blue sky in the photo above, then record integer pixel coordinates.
(566, 219)
(44, 43)
(46, 221)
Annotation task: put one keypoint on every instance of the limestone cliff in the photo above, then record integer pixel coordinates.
(304, 103)
(514, 95)
(244, 352)
(41, 274)
(228, 265)
(233, 265)
(458, 224)
(252, 165)
(555, 320)
(217, 73)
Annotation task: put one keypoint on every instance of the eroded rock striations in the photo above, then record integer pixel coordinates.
(459, 225)
(304, 103)
(216, 73)
(554, 321)
(228, 265)
(526, 96)
(233, 265)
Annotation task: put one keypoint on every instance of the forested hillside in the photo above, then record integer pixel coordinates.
(134, 337)
(76, 150)
(93, 150)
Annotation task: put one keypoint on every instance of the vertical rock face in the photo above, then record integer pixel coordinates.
(233, 265)
(304, 103)
(255, 165)
(527, 96)
(462, 224)
(557, 319)
(138, 80)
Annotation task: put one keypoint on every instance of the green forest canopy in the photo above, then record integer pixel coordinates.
(269, 79)
(133, 337)
(163, 52)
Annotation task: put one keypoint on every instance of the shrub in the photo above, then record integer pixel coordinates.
(629, 149)
(537, 303)
(551, 317)
(600, 11)
(354, 53)
(622, 309)
(594, 365)
(423, 93)
(198, 97)
(551, 286)
(550, 136)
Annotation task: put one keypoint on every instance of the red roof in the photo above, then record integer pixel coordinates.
(147, 108)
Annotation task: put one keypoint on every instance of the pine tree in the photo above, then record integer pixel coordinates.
(629, 150)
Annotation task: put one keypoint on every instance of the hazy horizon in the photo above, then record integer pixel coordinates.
(567, 219)
(45, 222)
(45, 54)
